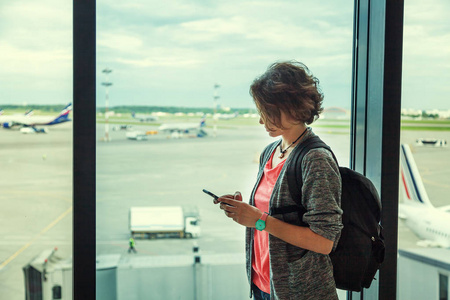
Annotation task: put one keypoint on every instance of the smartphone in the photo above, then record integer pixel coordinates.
(211, 194)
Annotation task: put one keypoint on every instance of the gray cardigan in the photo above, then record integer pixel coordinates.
(297, 273)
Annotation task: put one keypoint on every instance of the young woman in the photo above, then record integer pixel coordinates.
(284, 259)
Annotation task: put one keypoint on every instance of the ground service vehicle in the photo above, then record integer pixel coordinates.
(164, 221)
(48, 276)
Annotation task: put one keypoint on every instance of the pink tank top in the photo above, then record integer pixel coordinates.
(260, 259)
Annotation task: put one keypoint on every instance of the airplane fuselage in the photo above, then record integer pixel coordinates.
(428, 223)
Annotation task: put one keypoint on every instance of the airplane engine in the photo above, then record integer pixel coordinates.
(7, 125)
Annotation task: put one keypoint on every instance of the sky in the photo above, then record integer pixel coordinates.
(174, 52)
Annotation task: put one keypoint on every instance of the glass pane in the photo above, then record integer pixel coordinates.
(174, 65)
(35, 149)
(443, 287)
(425, 176)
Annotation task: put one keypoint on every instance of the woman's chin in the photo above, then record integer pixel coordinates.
(273, 133)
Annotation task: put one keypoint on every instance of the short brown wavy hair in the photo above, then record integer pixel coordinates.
(288, 87)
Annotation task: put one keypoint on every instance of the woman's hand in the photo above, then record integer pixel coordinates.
(247, 215)
(239, 211)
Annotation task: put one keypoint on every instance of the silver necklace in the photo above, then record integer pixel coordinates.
(282, 152)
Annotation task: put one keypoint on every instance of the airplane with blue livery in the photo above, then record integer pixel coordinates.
(28, 122)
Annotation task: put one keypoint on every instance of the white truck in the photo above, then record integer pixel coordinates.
(136, 135)
(148, 222)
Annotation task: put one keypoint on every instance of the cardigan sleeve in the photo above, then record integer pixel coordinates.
(321, 193)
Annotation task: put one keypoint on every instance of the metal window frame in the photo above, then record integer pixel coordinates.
(84, 60)
(375, 125)
(375, 130)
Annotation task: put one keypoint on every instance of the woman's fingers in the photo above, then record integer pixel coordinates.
(227, 207)
(239, 211)
(223, 196)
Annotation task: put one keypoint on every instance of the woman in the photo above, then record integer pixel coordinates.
(286, 260)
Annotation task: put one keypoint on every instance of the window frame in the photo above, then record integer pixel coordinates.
(376, 86)
(84, 172)
(375, 136)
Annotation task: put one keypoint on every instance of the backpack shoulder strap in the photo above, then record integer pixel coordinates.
(295, 178)
(294, 174)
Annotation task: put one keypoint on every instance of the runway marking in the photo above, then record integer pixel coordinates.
(49, 226)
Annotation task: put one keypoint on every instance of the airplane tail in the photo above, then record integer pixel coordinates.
(29, 113)
(63, 116)
(203, 121)
(1, 112)
(413, 188)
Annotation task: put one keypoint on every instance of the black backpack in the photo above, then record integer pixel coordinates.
(360, 250)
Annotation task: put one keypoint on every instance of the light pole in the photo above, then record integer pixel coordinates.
(107, 84)
(216, 99)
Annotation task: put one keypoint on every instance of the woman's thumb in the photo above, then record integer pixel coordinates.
(238, 196)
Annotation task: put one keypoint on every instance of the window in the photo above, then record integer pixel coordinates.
(393, 16)
(425, 111)
(200, 59)
(424, 129)
(35, 156)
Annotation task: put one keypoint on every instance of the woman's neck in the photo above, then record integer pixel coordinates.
(292, 134)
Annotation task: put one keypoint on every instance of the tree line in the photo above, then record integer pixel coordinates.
(129, 109)
(171, 109)
(45, 107)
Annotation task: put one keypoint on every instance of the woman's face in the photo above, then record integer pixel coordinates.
(272, 129)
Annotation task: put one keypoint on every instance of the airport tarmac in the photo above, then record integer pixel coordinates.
(37, 179)
(36, 201)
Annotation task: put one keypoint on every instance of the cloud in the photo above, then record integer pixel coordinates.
(426, 54)
(120, 41)
(234, 36)
(15, 60)
(151, 45)
(165, 61)
(35, 51)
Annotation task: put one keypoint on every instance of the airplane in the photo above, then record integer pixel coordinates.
(30, 121)
(178, 129)
(27, 129)
(144, 118)
(431, 142)
(226, 116)
(431, 224)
